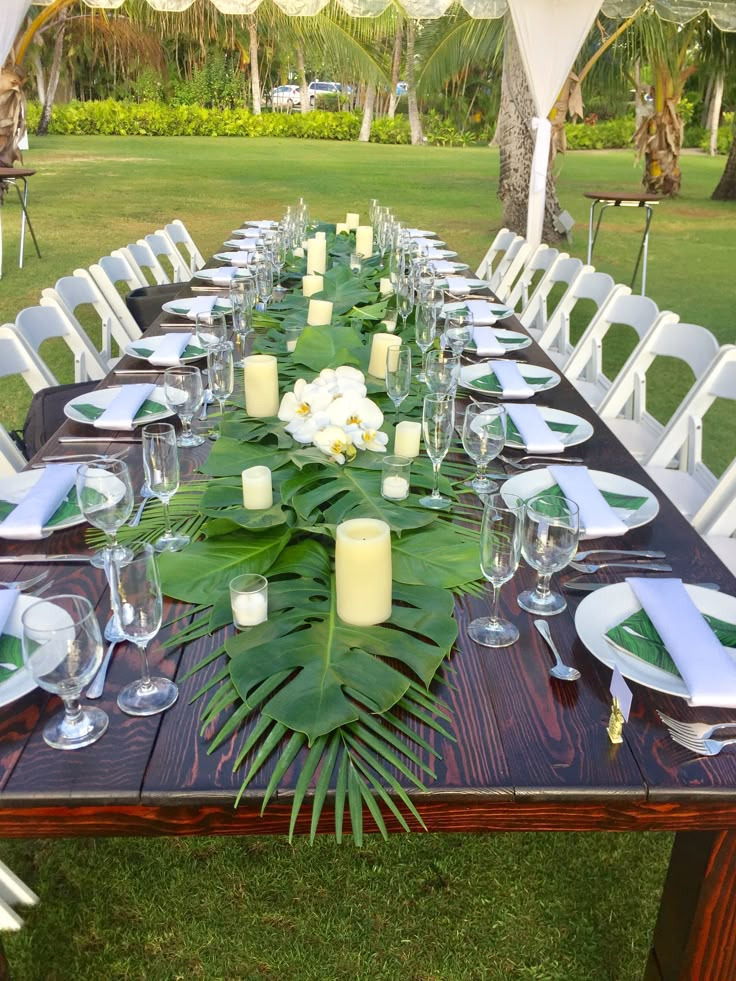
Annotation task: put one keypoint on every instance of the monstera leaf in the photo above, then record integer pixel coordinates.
(336, 344)
(345, 290)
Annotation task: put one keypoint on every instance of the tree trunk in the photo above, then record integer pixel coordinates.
(395, 68)
(707, 99)
(40, 76)
(415, 123)
(255, 79)
(370, 99)
(54, 73)
(303, 84)
(715, 114)
(516, 142)
(726, 190)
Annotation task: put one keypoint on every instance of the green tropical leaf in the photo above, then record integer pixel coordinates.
(514, 436)
(336, 344)
(230, 456)
(443, 555)
(10, 653)
(626, 502)
(637, 635)
(92, 412)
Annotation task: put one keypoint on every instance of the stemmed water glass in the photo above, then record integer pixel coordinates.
(211, 332)
(220, 366)
(484, 433)
(62, 649)
(105, 495)
(500, 550)
(549, 541)
(398, 376)
(442, 372)
(404, 297)
(438, 423)
(161, 466)
(425, 325)
(264, 281)
(137, 601)
(184, 395)
(458, 331)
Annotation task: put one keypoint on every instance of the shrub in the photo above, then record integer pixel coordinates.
(611, 134)
(725, 138)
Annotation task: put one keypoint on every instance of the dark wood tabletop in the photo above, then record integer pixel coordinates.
(532, 753)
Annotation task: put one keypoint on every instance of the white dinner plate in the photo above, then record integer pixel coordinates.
(512, 340)
(443, 267)
(20, 682)
(431, 243)
(16, 486)
(469, 372)
(498, 310)
(533, 482)
(136, 348)
(262, 223)
(223, 272)
(582, 432)
(181, 308)
(102, 397)
(605, 608)
(421, 233)
(472, 285)
(441, 254)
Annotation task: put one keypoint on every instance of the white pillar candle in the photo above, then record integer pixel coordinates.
(304, 243)
(364, 241)
(321, 236)
(319, 313)
(341, 228)
(406, 439)
(316, 256)
(386, 286)
(363, 571)
(261, 379)
(380, 345)
(396, 488)
(249, 609)
(352, 220)
(257, 489)
(299, 252)
(312, 284)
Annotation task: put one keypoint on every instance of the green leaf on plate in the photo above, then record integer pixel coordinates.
(93, 412)
(637, 635)
(11, 652)
(626, 502)
(514, 436)
(68, 509)
(489, 382)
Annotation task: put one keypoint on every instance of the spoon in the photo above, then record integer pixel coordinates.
(560, 670)
(113, 634)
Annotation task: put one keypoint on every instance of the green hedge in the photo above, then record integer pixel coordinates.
(613, 134)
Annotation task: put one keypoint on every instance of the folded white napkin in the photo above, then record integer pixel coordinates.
(168, 352)
(431, 243)
(239, 258)
(252, 232)
(121, 411)
(537, 436)
(221, 276)
(438, 253)
(443, 268)
(7, 602)
(198, 305)
(511, 380)
(461, 284)
(596, 517)
(244, 244)
(707, 669)
(27, 519)
(486, 342)
(418, 233)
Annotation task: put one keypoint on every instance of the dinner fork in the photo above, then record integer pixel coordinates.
(557, 458)
(703, 747)
(25, 583)
(695, 730)
(596, 566)
(535, 462)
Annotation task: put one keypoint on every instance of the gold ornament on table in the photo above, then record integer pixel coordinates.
(615, 723)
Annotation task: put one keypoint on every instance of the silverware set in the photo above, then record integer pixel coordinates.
(695, 736)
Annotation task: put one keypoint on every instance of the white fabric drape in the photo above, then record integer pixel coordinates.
(550, 33)
(11, 17)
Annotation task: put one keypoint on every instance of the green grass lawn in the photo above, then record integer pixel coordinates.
(545, 907)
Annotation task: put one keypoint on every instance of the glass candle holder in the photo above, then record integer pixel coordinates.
(395, 474)
(249, 600)
(291, 336)
(356, 262)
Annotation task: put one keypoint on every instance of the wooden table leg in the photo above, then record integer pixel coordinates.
(695, 935)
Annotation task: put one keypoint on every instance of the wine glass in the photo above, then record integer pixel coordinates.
(458, 331)
(484, 433)
(500, 550)
(278, 258)
(242, 297)
(549, 540)
(105, 495)
(438, 422)
(184, 395)
(136, 598)
(372, 209)
(264, 281)
(161, 466)
(443, 372)
(221, 369)
(404, 297)
(62, 649)
(425, 325)
(398, 376)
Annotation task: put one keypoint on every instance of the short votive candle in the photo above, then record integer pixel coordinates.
(249, 600)
(395, 471)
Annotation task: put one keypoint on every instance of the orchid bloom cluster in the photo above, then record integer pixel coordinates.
(333, 413)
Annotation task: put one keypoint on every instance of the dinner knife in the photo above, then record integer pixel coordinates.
(100, 439)
(36, 557)
(590, 587)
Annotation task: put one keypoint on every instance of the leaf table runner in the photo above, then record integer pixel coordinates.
(637, 635)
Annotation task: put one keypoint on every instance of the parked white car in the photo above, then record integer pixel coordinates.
(285, 97)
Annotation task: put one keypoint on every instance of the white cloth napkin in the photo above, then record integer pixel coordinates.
(417, 232)
(7, 602)
(461, 284)
(252, 232)
(121, 411)
(26, 520)
(198, 305)
(537, 436)
(486, 342)
(443, 268)
(707, 669)
(239, 258)
(168, 352)
(596, 517)
(511, 380)
(438, 253)
(222, 276)
(244, 244)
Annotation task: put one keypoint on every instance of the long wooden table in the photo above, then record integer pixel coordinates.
(531, 753)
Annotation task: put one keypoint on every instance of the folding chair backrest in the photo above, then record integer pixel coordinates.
(143, 261)
(18, 358)
(717, 514)
(565, 269)
(179, 235)
(540, 261)
(80, 290)
(510, 267)
(11, 458)
(38, 324)
(595, 287)
(109, 273)
(168, 256)
(497, 248)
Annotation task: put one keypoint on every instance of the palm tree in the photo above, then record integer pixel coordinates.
(726, 189)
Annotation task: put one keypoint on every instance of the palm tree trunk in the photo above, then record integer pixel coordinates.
(303, 84)
(516, 143)
(40, 76)
(415, 123)
(255, 80)
(659, 139)
(54, 73)
(370, 99)
(395, 68)
(715, 114)
(726, 190)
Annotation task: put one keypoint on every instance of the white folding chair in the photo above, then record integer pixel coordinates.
(594, 287)
(38, 324)
(676, 462)
(564, 269)
(109, 273)
(584, 367)
(168, 256)
(11, 458)
(541, 261)
(715, 519)
(624, 407)
(496, 250)
(142, 260)
(17, 358)
(178, 235)
(510, 267)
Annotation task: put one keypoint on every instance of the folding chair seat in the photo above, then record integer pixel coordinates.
(715, 519)
(178, 235)
(541, 261)
(168, 256)
(624, 406)
(38, 324)
(565, 269)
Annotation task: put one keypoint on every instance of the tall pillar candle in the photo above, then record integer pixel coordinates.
(321, 236)
(352, 220)
(363, 578)
(316, 256)
(319, 313)
(379, 346)
(257, 489)
(364, 241)
(385, 286)
(406, 438)
(312, 285)
(261, 378)
(341, 228)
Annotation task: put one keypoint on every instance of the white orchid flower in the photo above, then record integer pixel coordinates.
(346, 373)
(352, 412)
(370, 439)
(335, 443)
(303, 402)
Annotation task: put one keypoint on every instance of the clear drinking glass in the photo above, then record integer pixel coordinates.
(484, 433)
(549, 541)
(242, 296)
(458, 331)
(62, 649)
(398, 376)
(137, 601)
(105, 495)
(221, 369)
(425, 326)
(404, 297)
(372, 209)
(161, 466)
(184, 395)
(442, 372)
(500, 549)
(438, 424)
(264, 282)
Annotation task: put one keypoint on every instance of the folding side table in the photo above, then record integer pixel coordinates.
(16, 176)
(624, 199)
